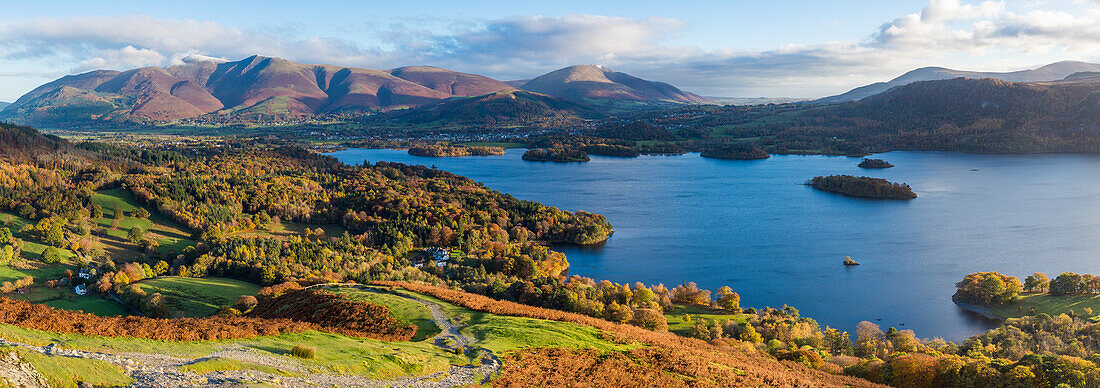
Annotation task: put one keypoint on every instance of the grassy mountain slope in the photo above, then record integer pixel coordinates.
(513, 107)
(252, 87)
(1052, 72)
(592, 82)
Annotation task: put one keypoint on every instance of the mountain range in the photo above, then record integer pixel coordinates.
(258, 88)
(1052, 72)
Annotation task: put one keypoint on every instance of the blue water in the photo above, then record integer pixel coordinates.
(751, 225)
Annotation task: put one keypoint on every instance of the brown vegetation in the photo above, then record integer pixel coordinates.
(330, 310)
(362, 320)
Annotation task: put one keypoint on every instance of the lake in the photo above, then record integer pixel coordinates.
(753, 226)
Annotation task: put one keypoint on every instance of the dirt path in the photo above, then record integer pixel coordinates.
(157, 370)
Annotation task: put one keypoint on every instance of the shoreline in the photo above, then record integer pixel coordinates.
(984, 311)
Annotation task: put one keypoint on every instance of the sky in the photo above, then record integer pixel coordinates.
(724, 48)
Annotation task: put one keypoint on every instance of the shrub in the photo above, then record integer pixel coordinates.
(302, 351)
(51, 255)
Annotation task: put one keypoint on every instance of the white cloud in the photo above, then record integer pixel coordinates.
(124, 58)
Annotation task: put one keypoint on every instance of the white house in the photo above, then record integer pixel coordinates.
(81, 290)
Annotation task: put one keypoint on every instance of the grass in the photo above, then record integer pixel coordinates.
(219, 364)
(676, 323)
(65, 372)
(65, 299)
(335, 353)
(502, 334)
(171, 237)
(1049, 304)
(286, 228)
(403, 308)
(366, 357)
(41, 274)
(302, 351)
(197, 297)
(349, 355)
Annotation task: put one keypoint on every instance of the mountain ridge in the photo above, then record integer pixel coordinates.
(1051, 72)
(263, 88)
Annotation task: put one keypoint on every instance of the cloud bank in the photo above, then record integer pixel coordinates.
(524, 46)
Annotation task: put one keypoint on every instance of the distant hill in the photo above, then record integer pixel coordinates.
(974, 115)
(4, 105)
(1052, 72)
(253, 87)
(264, 89)
(501, 108)
(591, 82)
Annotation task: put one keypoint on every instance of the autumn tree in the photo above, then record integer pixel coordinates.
(1037, 282)
(140, 213)
(729, 300)
(988, 288)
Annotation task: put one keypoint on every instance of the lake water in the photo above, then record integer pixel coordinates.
(751, 225)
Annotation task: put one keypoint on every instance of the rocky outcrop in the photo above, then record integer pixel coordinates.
(15, 372)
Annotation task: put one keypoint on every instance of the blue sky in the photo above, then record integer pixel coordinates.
(718, 48)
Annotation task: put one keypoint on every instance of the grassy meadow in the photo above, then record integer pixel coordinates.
(197, 297)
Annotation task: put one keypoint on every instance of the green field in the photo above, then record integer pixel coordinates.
(41, 274)
(197, 297)
(1049, 304)
(67, 372)
(676, 323)
(286, 228)
(502, 334)
(405, 309)
(65, 299)
(172, 237)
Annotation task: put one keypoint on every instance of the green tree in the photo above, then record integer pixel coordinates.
(97, 211)
(140, 213)
(263, 220)
(6, 254)
(51, 255)
(136, 234)
(5, 236)
(1037, 282)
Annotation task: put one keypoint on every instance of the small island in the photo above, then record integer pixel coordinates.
(862, 187)
(560, 155)
(439, 151)
(874, 163)
(736, 151)
(849, 262)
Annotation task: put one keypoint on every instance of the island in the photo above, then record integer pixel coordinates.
(849, 262)
(862, 187)
(737, 151)
(874, 163)
(439, 151)
(560, 155)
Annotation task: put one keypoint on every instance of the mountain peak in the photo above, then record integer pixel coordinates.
(596, 82)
